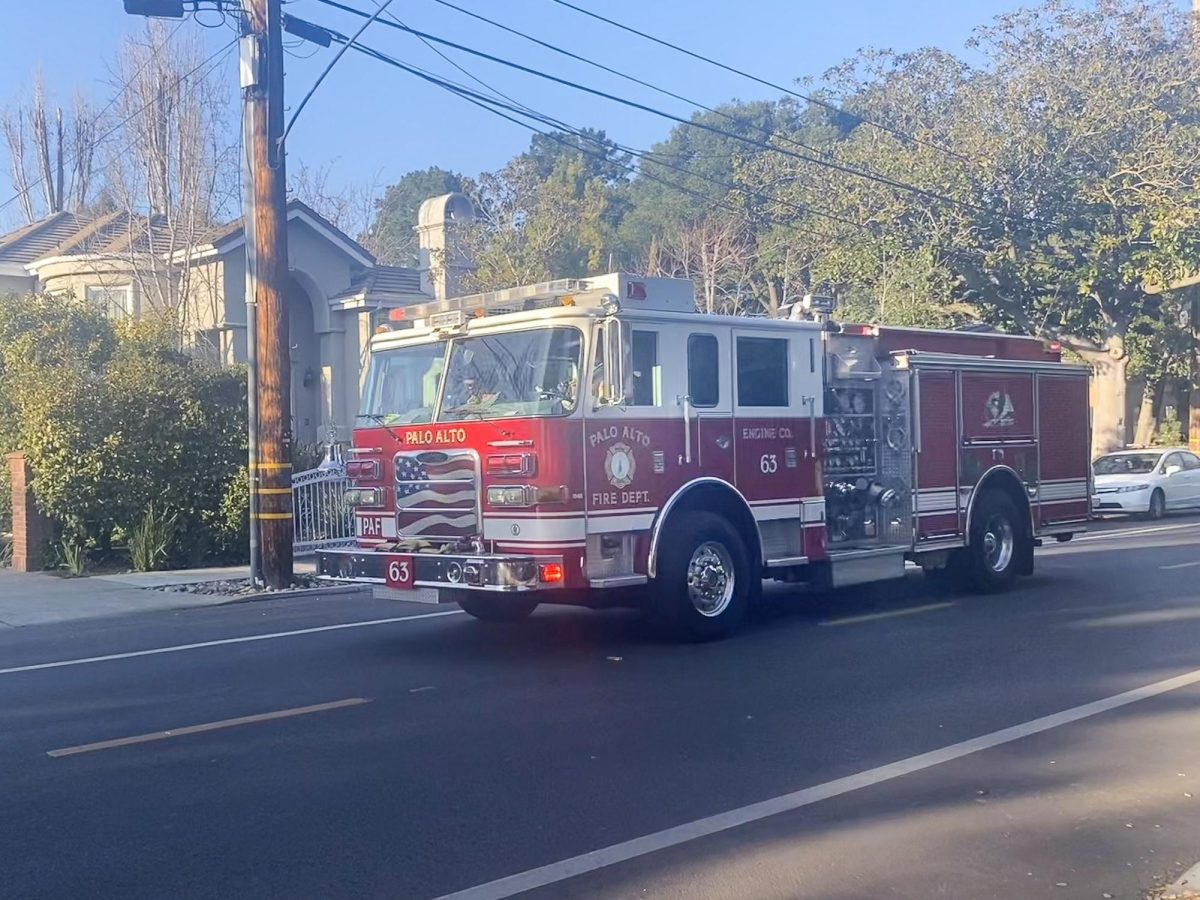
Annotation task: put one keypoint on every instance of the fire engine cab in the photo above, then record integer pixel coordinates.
(599, 442)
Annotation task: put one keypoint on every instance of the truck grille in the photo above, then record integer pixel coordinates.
(437, 494)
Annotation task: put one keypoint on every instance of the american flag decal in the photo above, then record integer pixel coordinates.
(437, 494)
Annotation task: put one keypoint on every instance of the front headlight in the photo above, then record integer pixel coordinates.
(1132, 488)
(363, 497)
(511, 495)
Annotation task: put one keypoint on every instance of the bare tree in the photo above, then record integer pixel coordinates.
(14, 137)
(718, 256)
(81, 149)
(41, 140)
(174, 173)
(350, 209)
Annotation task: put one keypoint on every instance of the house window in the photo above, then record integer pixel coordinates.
(762, 370)
(114, 302)
(703, 370)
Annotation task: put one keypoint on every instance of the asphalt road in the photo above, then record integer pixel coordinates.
(870, 743)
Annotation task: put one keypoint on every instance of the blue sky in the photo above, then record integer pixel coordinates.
(368, 120)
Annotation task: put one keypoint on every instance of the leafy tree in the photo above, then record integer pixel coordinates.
(601, 157)
(532, 228)
(1070, 189)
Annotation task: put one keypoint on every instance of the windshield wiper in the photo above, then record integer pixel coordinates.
(382, 422)
(464, 411)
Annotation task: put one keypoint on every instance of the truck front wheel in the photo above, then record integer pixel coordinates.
(495, 607)
(705, 579)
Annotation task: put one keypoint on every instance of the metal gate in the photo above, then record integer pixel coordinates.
(321, 517)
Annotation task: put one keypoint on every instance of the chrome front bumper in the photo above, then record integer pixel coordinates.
(480, 572)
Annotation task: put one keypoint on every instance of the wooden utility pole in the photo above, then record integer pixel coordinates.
(267, 261)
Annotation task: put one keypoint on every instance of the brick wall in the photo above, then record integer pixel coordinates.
(29, 527)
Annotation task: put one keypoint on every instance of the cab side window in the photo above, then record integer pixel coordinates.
(762, 371)
(1173, 459)
(646, 389)
(704, 369)
(1190, 461)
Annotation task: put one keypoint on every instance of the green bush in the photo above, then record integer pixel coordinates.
(115, 421)
(151, 540)
(37, 335)
(1170, 432)
(74, 555)
(230, 525)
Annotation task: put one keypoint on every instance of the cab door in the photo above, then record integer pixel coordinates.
(708, 404)
(777, 405)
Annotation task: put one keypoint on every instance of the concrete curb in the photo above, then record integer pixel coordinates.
(1186, 887)
(337, 590)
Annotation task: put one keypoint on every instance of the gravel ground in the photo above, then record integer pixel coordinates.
(240, 587)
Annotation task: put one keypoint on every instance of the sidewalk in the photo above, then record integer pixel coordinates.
(38, 598)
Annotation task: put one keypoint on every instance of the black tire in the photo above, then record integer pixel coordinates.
(1158, 505)
(704, 563)
(495, 607)
(998, 542)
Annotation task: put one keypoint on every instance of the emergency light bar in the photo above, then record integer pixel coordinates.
(674, 294)
(518, 299)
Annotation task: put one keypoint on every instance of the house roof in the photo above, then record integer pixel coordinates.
(36, 240)
(232, 233)
(71, 234)
(384, 283)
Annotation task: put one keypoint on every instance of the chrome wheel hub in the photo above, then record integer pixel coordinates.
(998, 543)
(710, 579)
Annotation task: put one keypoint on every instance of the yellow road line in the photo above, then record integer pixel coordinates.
(208, 726)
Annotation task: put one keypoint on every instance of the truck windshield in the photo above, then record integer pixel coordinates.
(521, 373)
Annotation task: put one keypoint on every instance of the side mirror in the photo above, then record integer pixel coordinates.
(1171, 470)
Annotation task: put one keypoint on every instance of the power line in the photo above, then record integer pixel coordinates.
(524, 110)
(832, 107)
(329, 68)
(849, 170)
(133, 115)
(495, 107)
(125, 86)
(479, 81)
(625, 75)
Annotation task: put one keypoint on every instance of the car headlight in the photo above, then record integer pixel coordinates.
(1131, 488)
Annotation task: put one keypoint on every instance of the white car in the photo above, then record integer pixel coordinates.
(1151, 482)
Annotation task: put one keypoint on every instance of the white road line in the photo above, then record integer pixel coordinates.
(1100, 535)
(177, 648)
(207, 726)
(891, 614)
(682, 834)
(1187, 565)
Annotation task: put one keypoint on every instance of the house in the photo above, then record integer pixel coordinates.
(335, 294)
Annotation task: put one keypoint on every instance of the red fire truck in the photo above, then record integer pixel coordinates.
(599, 442)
